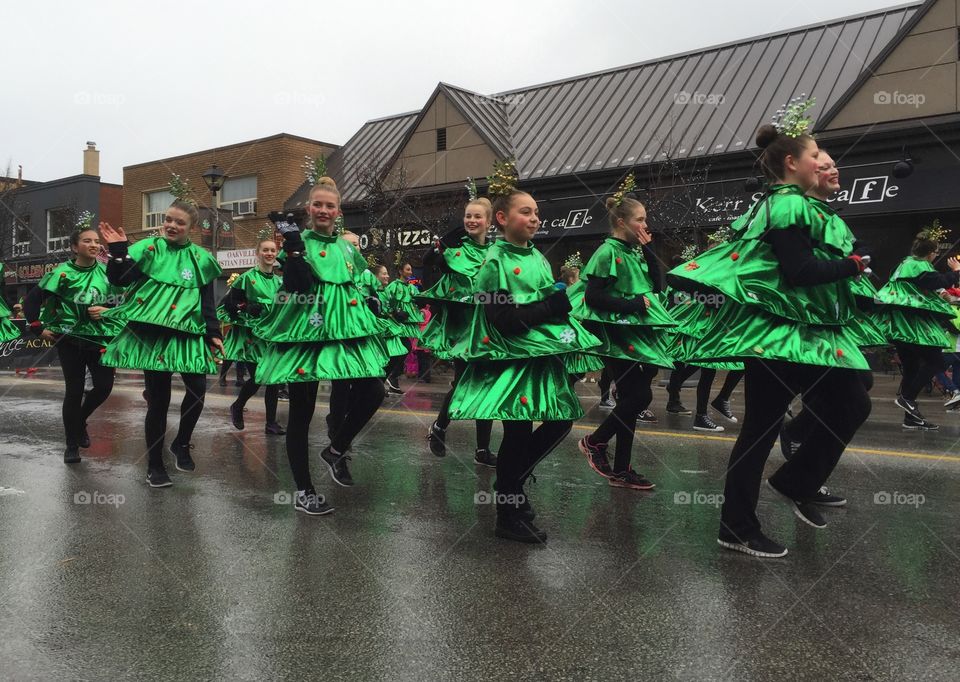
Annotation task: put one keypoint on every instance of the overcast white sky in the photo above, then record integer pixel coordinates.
(151, 80)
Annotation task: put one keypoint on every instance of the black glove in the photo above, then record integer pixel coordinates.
(374, 304)
(450, 240)
(639, 305)
(401, 316)
(254, 309)
(292, 241)
(558, 304)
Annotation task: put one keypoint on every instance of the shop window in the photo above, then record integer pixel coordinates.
(60, 224)
(22, 236)
(155, 205)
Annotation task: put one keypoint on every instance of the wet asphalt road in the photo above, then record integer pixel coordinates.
(102, 577)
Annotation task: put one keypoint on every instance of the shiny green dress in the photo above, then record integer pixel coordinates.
(693, 319)
(370, 286)
(168, 331)
(451, 298)
(518, 377)
(580, 363)
(241, 344)
(761, 316)
(911, 314)
(72, 289)
(8, 329)
(398, 297)
(328, 333)
(632, 336)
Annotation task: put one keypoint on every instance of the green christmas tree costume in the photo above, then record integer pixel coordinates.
(631, 336)
(168, 334)
(72, 290)
(398, 296)
(329, 333)
(520, 376)
(241, 344)
(693, 319)
(911, 314)
(8, 329)
(580, 363)
(762, 316)
(451, 298)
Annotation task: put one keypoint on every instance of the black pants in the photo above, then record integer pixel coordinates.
(361, 398)
(395, 366)
(811, 411)
(158, 386)
(76, 358)
(730, 383)
(250, 387)
(704, 385)
(484, 426)
(633, 397)
(523, 447)
(769, 387)
(920, 364)
(604, 384)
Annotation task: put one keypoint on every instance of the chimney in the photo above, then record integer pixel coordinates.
(91, 160)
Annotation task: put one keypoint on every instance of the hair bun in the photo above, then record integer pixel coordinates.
(610, 203)
(326, 180)
(766, 135)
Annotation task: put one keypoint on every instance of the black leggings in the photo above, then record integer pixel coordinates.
(633, 397)
(362, 399)
(75, 358)
(684, 372)
(395, 366)
(250, 387)
(604, 384)
(733, 378)
(158, 386)
(523, 448)
(920, 364)
(768, 389)
(810, 413)
(484, 426)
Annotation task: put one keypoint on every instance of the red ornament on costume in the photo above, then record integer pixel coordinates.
(734, 256)
(150, 248)
(523, 400)
(323, 254)
(353, 301)
(300, 370)
(516, 271)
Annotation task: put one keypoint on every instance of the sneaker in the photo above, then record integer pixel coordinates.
(646, 417)
(703, 423)
(823, 498)
(802, 509)
(395, 390)
(630, 479)
(283, 395)
(607, 404)
(484, 457)
(676, 407)
(157, 477)
(759, 546)
(921, 424)
(953, 401)
(274, 429)
(515, 527)
(310, 503)
(437, 440)
(338, 466)
(223, 381)
(596, 456)
(84, 437)
(182, 453)
(908, 406)
(723, 407)
(236, 416)
(71, 456)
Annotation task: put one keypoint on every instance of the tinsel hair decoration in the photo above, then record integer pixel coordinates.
(504, 178)
(791, 119)
(721, 236)
(85, 221)
(314, 168)
(471, 186)
(338, 226)
(935, 232)
(574, 260)
(266, 232)
(232, 278)
(180, 189)
(626, 187)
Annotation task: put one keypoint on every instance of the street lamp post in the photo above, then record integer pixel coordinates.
(214, 178)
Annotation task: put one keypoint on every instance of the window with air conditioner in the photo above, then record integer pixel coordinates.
(60, 224)
(240, 195)
(22, 236)
(155, 205)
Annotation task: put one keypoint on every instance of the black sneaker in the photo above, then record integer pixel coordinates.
(759, 546)
(182, 453)
(646, 417)
(84, 437)
(953, 401)
(338, 466)
(676, 407)
(236, 416)
(437, 440)
(703, 423)
(395, 390)
(596, 456)
(283, 395)
(802, 509)
(723, 407)
(921, 424)
(311, 504)
(71, 456)
(274, 429)
(514, 527)
(630, 479)
(908, 406)
(823, 498)
(607, 404)
(484, 457)
(157, 477)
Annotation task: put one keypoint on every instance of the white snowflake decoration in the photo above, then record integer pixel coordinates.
(187, 274)
(568, 336)
(315, 320)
